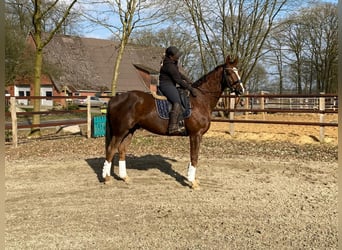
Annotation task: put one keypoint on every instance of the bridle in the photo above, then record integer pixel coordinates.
(232, 86)
(226, 83)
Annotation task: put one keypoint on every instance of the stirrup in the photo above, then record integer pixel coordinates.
(176, 130)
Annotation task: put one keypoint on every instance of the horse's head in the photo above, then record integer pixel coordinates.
(231, 78)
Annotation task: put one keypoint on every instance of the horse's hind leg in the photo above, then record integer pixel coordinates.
(111, 149)
(116, 143)
(122, 156)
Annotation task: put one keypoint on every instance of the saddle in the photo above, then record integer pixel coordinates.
(164, 106)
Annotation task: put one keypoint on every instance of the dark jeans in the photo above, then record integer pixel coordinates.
(171, 92)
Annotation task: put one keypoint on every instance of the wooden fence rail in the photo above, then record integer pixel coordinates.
(253, 103)
(14, 126)
(265, 105)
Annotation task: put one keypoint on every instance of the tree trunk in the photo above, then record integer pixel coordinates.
(37, 21)
(36, 102)
(116, 68)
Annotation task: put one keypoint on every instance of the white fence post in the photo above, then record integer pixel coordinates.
(231, 114)
(321, 116)
(14, 122)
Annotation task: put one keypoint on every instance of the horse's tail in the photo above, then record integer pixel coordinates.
(108, 129)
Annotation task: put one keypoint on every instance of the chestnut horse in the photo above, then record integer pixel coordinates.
(135, 109)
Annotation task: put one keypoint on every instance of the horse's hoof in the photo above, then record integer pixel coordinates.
(126, 179)
(195, 185)
(107, 180)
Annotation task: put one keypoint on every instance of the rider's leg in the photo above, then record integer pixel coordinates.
(171, 92)
(174, 113)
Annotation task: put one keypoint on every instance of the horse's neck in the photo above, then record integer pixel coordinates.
(212, 89)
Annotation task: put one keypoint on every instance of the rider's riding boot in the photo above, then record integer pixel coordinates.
(173, 124)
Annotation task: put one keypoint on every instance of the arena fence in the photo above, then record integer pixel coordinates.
(229, 109)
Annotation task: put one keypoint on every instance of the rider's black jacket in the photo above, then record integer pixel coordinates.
(170, 74)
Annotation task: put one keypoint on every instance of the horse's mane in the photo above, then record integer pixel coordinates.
(203, 79)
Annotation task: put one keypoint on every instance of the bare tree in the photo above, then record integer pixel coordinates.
(275, 56)
(19, 56)
(19, 14)
(236, 27)
(196, 10)
(258, 79)
(39, 13)
(321, 25)
(132, 14)
(18, 23)
(295, 37)
(70, 25)
(248, 25)
(306, 44)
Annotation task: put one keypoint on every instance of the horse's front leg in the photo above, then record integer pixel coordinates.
(195, 141)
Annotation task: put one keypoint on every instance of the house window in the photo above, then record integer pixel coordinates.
(28, 93)
(21, 93)
(48, 93)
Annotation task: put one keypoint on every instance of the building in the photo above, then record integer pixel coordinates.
(86, 65)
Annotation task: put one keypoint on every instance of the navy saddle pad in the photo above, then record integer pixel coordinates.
(164, 108)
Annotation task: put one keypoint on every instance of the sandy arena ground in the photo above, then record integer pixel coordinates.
(264, 187)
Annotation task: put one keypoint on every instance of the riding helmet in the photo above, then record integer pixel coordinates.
(173, 51)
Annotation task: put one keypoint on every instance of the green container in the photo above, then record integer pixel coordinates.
(99, 126)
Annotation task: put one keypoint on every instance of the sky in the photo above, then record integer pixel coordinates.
(98, 32)
(103, 33)
(99, 11)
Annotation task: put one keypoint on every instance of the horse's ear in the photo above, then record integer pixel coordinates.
(230, 61)
(235, 61)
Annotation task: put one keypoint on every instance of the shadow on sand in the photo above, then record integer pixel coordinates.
(142, 163)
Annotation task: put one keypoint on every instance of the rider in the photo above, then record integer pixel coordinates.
(169, 79)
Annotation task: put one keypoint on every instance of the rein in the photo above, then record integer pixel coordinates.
(212, 93)
(227, 84)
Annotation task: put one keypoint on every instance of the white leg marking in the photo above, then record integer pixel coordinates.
(191, 172)
(106, 169)
(122, 169)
